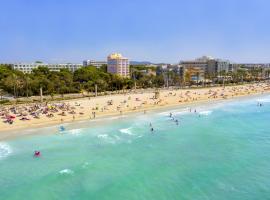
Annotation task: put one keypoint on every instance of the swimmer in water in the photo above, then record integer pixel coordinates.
(37, 154)
(62, 128)
(152, 129)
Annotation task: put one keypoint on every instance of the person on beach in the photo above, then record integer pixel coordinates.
(46, 112)
(62, 128)
(94, 114)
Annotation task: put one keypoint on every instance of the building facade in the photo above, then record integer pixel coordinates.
(194, 70)
(94, 63)
(204, 66)
(161, 69)
(117, 64)
(216, 66)
(28, 67)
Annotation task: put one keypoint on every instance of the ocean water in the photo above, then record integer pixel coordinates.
(220, 152)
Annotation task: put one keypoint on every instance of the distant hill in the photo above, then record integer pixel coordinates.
(140, 63)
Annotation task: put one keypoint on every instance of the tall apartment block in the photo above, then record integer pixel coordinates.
(117, 64)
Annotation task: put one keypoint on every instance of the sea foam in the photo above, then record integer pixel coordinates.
(85, 165)
(175, 112)
(66, 171)
(76, 132)
(102, 136)
(5, 150)
(126, 131)
(206, 112)
(266, 100)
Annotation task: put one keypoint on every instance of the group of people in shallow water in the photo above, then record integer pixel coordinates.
(62, 128)
(151, 127)
(37, 154)
(171, 117)
(259, 104)
(174, 120)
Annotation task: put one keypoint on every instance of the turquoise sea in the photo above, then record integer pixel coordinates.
(221, 152)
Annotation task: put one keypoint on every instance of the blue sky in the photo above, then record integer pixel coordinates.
(152, 30)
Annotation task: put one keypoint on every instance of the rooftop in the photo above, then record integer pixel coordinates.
(116, 56)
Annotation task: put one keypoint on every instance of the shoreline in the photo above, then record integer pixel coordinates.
(18, 131)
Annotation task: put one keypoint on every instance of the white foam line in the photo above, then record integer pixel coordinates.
(5, 150)
(264, 100)
(126, 131)
(66, 171)
(206, 112)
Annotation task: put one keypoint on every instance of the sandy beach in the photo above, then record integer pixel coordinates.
(53, 113)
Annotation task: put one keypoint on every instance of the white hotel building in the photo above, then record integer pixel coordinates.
(94, 63)
(117, 64)
(27, 68)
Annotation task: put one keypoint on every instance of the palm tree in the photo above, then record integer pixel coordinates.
(187, 77)
(223, 75)
(14, 84)
(1, 94)
(267, 73)
(241, 74)
(27, 80)
(197, 78)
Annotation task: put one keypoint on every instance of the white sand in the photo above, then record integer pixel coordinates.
(121, 104)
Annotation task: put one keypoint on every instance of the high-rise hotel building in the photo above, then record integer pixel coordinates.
(117, 64)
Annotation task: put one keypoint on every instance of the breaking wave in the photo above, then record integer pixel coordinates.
(5, 150)
(76, 132)
(66, 171)
(264, 100)
(126, 131)
(207, 112)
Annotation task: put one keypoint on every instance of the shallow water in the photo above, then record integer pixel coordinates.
(219, 152)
